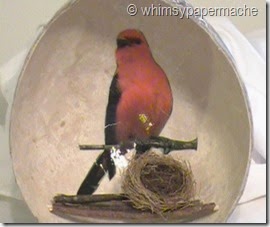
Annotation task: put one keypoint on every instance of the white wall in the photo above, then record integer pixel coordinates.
(19, 21)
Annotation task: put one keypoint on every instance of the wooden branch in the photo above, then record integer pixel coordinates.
(116, 207)
(157, 142)
(80, 199)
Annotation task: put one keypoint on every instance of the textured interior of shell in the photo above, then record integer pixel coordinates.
(62, 93)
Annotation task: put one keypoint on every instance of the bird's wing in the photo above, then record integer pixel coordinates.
(104, 161)
(110, 122)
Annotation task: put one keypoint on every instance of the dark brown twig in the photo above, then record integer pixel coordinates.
(80, 199)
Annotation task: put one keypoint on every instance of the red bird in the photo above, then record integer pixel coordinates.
(140, 103)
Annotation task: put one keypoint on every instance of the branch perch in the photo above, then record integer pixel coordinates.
(157, 142)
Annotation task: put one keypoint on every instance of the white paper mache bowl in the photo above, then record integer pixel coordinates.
(62, 93)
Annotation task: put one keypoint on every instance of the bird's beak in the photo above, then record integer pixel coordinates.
(122, 42)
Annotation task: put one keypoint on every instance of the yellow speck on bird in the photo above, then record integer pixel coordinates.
(146, 121)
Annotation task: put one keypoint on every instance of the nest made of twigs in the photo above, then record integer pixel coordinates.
(158, 183)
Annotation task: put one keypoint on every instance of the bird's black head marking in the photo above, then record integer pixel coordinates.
(124, 42)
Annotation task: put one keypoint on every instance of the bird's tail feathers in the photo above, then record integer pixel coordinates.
(103, 164)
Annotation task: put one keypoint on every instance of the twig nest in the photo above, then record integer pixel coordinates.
(159, 183)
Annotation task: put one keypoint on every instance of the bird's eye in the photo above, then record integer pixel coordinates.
(124, 42)
(137, 41)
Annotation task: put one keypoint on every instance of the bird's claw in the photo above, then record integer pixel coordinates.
(166, 150)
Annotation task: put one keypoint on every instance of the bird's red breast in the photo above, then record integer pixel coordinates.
(146, 99)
